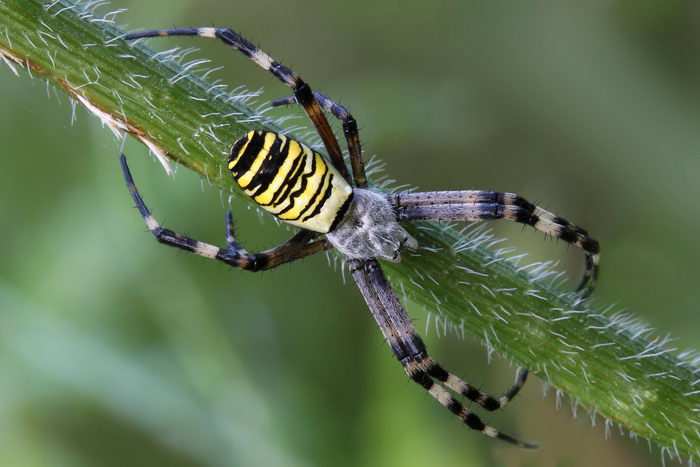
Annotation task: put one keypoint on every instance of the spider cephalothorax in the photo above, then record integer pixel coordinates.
(369, 229)
(300, 186)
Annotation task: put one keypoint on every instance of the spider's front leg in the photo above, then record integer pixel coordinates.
(478, 205)
(299, 246)
(410, 350)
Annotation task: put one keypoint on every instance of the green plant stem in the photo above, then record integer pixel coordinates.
(606, 363)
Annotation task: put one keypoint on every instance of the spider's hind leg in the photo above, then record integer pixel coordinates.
(297, 247)
(352, 135)
(302, 91)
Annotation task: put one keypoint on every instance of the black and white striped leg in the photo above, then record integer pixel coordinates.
(230, 232)
(352, 134)
(299, 246)
(409, 349)
(302, 91)
(477, 205)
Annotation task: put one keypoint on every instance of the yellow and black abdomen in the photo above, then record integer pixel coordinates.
(290, 180)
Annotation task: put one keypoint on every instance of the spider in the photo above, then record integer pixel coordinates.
(300, 186)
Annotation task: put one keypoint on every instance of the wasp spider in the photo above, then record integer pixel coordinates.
(302, 187)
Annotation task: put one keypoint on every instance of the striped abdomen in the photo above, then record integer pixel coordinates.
(290, 180)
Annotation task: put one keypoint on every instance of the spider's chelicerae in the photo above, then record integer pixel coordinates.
(301, 187)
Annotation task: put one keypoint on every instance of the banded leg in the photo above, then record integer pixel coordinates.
(233, 254)
(352, 135)
(409, 349)
(302, 91)
(476, 205)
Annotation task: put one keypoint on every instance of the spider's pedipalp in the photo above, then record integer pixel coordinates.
(477, 205)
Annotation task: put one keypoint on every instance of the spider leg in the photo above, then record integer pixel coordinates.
(352, 135)
(302, 91)
(233, 254)
(410, 350)
(477, 205)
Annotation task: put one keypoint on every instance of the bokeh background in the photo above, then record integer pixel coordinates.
(116, 351)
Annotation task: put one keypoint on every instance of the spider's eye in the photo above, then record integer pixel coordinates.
(358, 224)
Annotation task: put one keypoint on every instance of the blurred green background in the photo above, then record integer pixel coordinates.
(118, 351)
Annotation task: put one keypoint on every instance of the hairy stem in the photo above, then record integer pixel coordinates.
(606, 362)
